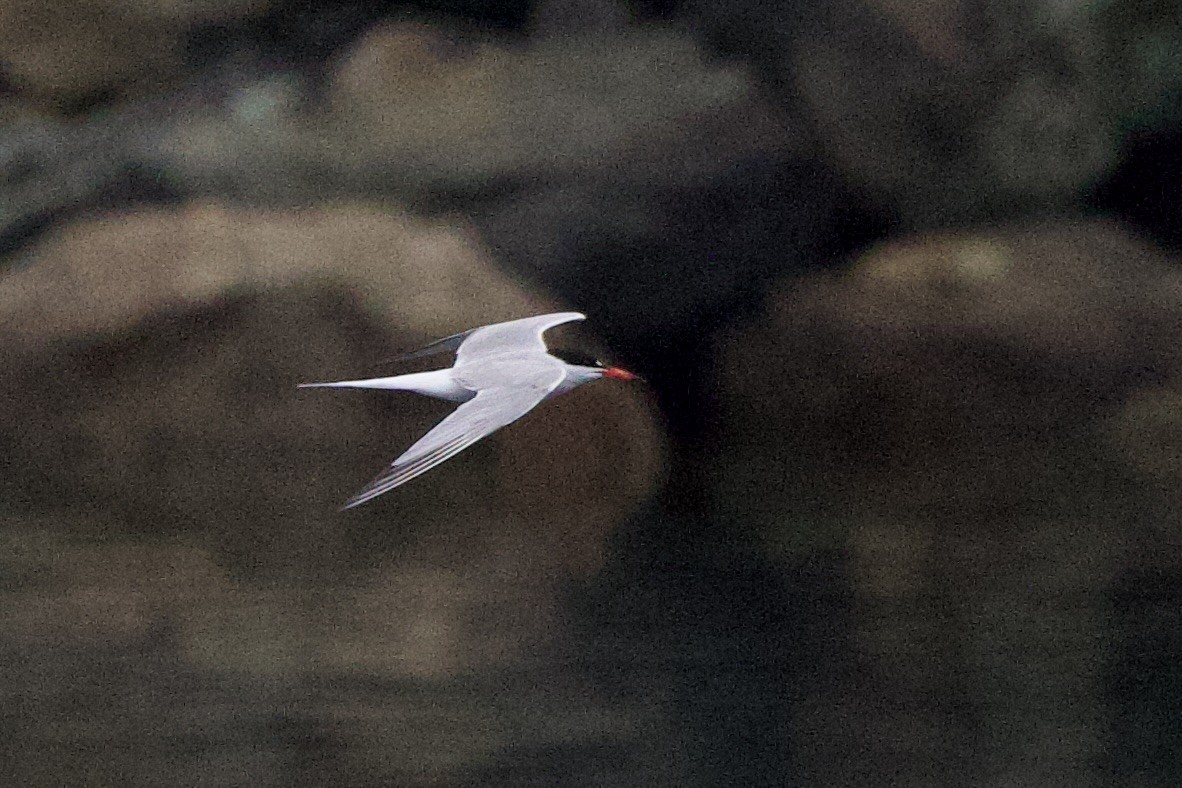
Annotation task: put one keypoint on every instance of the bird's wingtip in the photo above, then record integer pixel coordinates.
(355, 501)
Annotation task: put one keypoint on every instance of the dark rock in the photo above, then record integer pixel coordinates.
(976, 422)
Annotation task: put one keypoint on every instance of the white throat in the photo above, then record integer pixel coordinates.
(576, 376)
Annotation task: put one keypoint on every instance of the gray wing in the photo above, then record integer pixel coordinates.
(444, 345)
(515, 335)
(479, 417)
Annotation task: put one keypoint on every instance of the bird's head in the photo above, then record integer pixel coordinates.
(588, 367)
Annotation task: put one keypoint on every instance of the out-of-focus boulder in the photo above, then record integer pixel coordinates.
(412, 90)
(151, 363)
(170, 533)
(408, 111)
(950, 358)
(955, 112)
(930, 112)
(492, 109)
(107, 275)
(414, 112)
(150, 643)
(74, 50)
(976, 424)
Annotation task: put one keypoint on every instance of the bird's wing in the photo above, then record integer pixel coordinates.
(514, 335)
(484, 414)
(444, 345)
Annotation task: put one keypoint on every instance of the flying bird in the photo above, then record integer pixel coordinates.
(501, 372)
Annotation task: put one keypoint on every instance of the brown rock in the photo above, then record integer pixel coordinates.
(414, 112)
(967, 423)
(139, 645)
(67, 51)
(413, 87)
(953, 112)
(151, 360)
(172, 556)
(949, 358)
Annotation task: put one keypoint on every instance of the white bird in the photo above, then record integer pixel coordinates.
(501, 372)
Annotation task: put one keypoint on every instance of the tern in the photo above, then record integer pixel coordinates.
(501, 372)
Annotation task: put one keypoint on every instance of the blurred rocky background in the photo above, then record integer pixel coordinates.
(899, 504)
